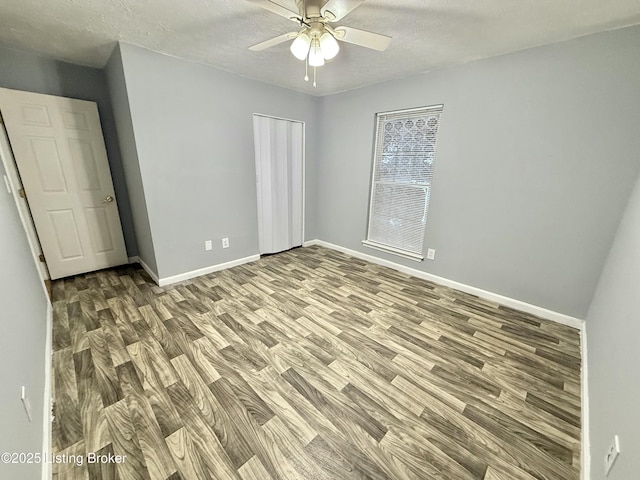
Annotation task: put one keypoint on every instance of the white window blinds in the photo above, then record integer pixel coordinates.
(405, 153)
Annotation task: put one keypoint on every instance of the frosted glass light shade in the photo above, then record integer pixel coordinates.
(329, 46)
(300, 46)
(315, 54)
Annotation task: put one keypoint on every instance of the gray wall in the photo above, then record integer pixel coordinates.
(194, 136)
(22, 342)
(130, 163)
(613, 331)
(537, 154)
(21, 70)
(537, 159)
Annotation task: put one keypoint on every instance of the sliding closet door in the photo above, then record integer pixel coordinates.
(279, 146)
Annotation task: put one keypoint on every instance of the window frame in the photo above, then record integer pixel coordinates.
(379, 119)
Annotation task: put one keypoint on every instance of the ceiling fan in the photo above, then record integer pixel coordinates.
(316, 40)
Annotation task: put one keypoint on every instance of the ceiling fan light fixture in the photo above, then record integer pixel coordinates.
(300, 46)
(329, 46)
(316, 59)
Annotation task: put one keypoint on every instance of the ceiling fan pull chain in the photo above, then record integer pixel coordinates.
(306, 69)
(314, 77)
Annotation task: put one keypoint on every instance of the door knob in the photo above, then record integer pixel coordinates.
(108, 199)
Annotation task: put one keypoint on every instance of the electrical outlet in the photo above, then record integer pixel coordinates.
(225, 242)
(431, 254)
(612, 454)
(207, 245)
(25, 401)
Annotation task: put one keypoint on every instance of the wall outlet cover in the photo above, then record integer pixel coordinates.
(431, 254)
(225, 242)
(208, 245)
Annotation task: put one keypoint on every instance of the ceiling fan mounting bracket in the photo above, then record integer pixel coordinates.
(338, 34)
(329, 16)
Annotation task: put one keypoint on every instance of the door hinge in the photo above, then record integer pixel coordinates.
(41, 258)
(22, 193)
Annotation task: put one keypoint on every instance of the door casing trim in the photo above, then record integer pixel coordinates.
(11, 169)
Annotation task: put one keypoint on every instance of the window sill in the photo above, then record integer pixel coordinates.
(395, 251)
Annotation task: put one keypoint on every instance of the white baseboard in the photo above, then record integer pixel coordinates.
(203, 271)
(194, 273)
(494, 297)
(146, 268)
(509, 302)
(46, 408)
(585, 452)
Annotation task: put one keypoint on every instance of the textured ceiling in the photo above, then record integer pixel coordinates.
(427, 34)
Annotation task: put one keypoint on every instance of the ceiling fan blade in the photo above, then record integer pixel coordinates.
(339, 8)
(363, 38)
(277, 9)
(273, 42)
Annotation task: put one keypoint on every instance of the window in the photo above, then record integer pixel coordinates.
(405, 153)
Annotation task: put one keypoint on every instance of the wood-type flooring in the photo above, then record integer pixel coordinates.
(307, 365)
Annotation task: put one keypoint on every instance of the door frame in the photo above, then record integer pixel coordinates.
(22, 205)
(304, 164)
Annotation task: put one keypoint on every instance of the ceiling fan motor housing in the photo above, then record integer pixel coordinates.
(309, 9)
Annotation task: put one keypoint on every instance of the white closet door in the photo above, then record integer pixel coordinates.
(279, 146)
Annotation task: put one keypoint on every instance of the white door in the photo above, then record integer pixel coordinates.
(279, 147)
(61, 157)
